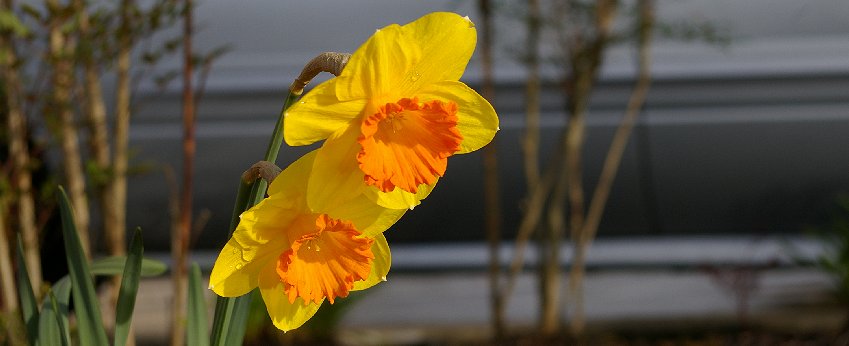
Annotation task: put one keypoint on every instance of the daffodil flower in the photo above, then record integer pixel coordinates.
(394, 115)
(299, 257)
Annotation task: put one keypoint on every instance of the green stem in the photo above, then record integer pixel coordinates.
(277, 137)
(228, 325)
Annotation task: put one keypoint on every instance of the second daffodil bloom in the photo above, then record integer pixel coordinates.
(299, 258)
(394, 115)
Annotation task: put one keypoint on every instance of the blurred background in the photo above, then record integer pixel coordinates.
(743, 130)
(730, 178)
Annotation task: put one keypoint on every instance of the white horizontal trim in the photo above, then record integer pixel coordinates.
(657, 252)
(242, 71)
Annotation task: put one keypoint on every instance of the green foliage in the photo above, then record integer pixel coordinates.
(129, 288)
(115, 266)
(53, 323)
(198, 334)
(9, 22)
(87, 308)
(29, 306)
(50, 326)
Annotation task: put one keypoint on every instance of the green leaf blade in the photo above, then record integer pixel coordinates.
(52, 327)
(129, 289)
(198, 332)
(115, 265)
(29, 305)
(86, 307)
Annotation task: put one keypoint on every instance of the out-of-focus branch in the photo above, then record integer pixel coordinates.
(530, 140)
(7, 274)
(63, 73)
(537, 190)
(623, 132)
(588, 231)
(530, 221)
(95, 115)
(583, 49)
(116, 236)
(492, 193)
(21, 180)
(182, 235)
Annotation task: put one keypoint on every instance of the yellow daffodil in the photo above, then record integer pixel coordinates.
(299, 257)
(394, 114)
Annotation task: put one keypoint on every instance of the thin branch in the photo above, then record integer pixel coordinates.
(62, 77)
(117, 235)
(7, 274)
(530, 222)
(537, 190)
(588, 231)
(180, 247)
(530, 141)
(492, 198)
(623, 132)
(95, 115)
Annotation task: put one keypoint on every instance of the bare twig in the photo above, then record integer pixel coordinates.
(7, 274)
(62, 76)
(180, 247)
(623, 132)
(491, 191)
(95, 115)
(612, 160)
(530, 141)
(117, 235)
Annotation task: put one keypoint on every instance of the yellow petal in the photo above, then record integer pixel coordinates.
(318, 114)
(367, 217)
(377, 65)
(335, 177)
(446, 41)
(257, 241)
(379, 266)
(476, 119)
(285, 316)
(397, 198)
(291, 183)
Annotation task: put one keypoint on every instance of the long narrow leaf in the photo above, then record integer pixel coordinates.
(129, 289)
(241, 310)
(115, 265)
(224, 319)
(60, 321)
(52, 329)
(86, 307)
(198, 332)
(29, 306)
(231, 316)
(62, 291)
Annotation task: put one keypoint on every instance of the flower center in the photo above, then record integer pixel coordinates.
(326, 262)
(406, 144)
